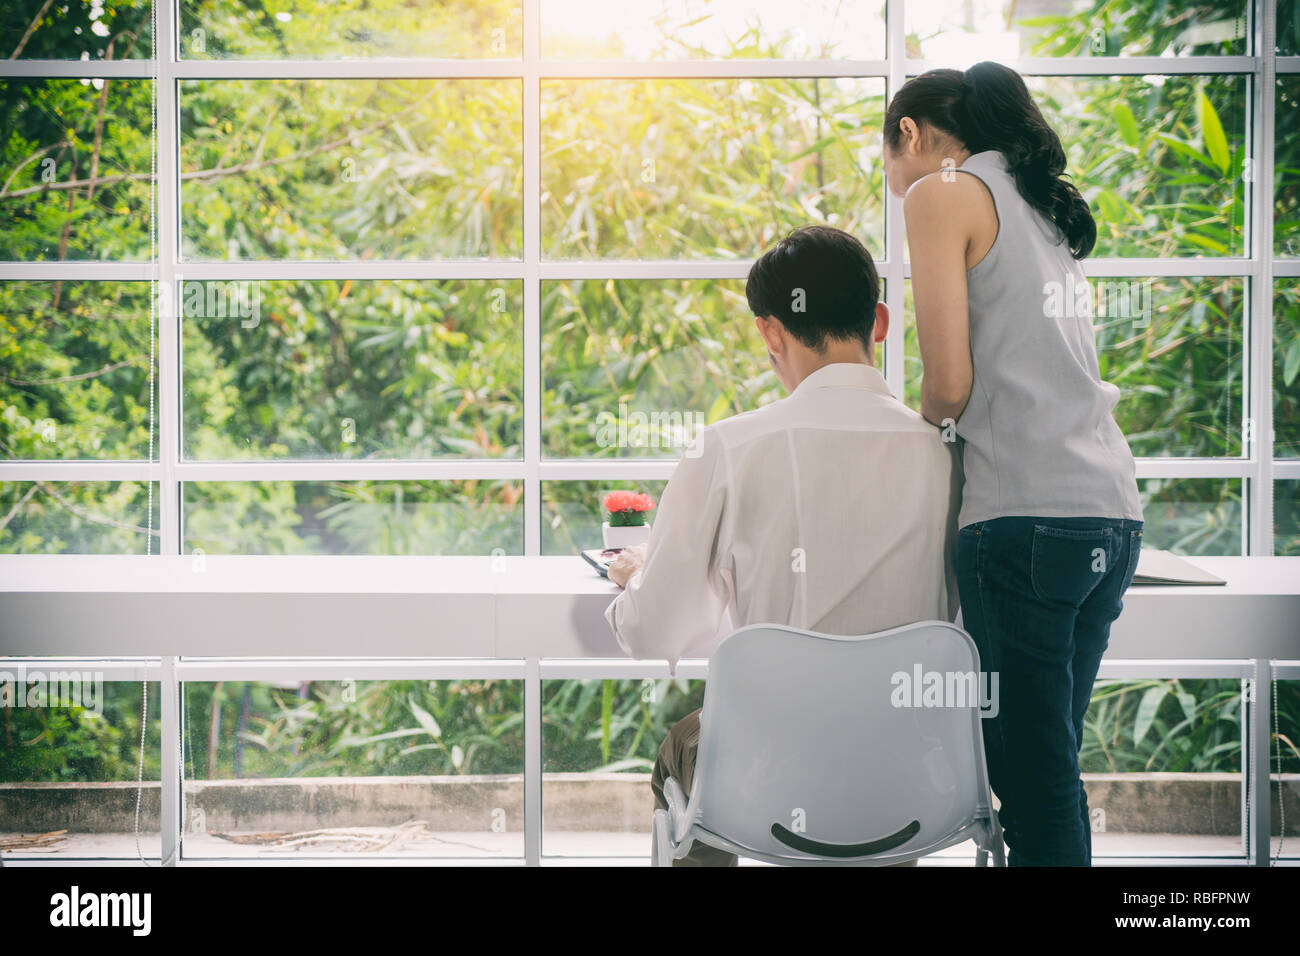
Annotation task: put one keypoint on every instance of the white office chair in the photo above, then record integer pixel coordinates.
(805, 760)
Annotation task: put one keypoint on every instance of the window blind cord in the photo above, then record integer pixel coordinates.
(1281, 792)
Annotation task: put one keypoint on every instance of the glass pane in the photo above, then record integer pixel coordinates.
(316, 768)
(352, 369)
(599, 743)
(961, 32)
(638, 368)
(76, 370)
(349, 29)
(351, 169)
(1288, 27)
(1161, 760)
(1284, 767)
(76, 156)
(466, 517)
(1286, 517)
(69, 763)
(572, 515)
(76, 30)
(707, 169)
(1192, 515)
(709, 29)
(1286, 368)
(1286, 171)
(76, 517)
(1159, 158)
(1174, 347)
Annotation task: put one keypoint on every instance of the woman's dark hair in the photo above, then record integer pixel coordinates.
(989, 107)
(821, 283)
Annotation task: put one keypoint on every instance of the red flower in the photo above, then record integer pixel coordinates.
(617, 501)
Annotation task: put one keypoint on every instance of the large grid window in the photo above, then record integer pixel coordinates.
(423, 269)
(430, 278)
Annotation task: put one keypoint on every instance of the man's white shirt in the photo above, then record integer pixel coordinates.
(833, 509)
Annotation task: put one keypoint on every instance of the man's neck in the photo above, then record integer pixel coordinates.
(833, 355)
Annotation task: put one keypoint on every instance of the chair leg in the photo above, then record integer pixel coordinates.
(660, 848)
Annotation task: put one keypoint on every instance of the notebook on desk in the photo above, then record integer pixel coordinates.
(1164, 567)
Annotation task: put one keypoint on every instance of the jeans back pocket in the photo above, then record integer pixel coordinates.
(1067, 563)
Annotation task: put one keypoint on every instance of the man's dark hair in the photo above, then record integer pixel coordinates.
(821, 283)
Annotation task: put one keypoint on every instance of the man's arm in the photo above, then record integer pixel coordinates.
(677, 598)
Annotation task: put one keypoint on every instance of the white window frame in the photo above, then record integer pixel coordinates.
(1257, 468)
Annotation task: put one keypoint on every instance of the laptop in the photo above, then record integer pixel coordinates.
(1165, 567)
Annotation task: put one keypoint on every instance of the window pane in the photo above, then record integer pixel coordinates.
(1161, 760)
(352, 369)
(1284, 764)
(75, 383)
(1286, 171)
(351, 169)
(1286, 517)
(76, 517)
(233, 29)
(572, 515)
(1288, 27)
(638, 368)
(1286, 368)
(599, 743)
(76, 30)
(425, 768)
(709, 29)
(71, 764)
(1170, 182)
(961, 31)
(706, 169)
(76, 156)
(461, 517)
(1192, 515)
(1174, 348)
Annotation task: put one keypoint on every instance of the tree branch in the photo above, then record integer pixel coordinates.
(64, 379)
(219, 171)
(31, 28)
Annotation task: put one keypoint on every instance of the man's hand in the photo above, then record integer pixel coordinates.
(628, 563)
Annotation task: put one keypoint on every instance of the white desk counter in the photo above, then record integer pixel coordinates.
(512, 607)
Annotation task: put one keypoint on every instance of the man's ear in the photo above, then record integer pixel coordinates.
(881, 328)
(772, 331)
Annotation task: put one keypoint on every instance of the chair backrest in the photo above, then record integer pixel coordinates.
(815, 745)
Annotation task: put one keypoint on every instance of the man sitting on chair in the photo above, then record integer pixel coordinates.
(832, 510)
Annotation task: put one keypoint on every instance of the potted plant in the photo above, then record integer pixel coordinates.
(626, 525)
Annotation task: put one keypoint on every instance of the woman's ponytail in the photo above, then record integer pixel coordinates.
(989, 107)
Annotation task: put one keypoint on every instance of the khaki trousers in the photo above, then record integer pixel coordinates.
(677, 759)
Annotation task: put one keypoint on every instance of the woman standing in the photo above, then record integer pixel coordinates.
(1050, 522)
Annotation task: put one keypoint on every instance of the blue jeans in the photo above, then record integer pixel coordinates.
(1038, 596)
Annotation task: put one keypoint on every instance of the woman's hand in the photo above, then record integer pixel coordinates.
(941, 215)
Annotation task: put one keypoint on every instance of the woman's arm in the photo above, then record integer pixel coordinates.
(938, 235)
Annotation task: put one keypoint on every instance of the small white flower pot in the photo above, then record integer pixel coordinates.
(625, 536)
